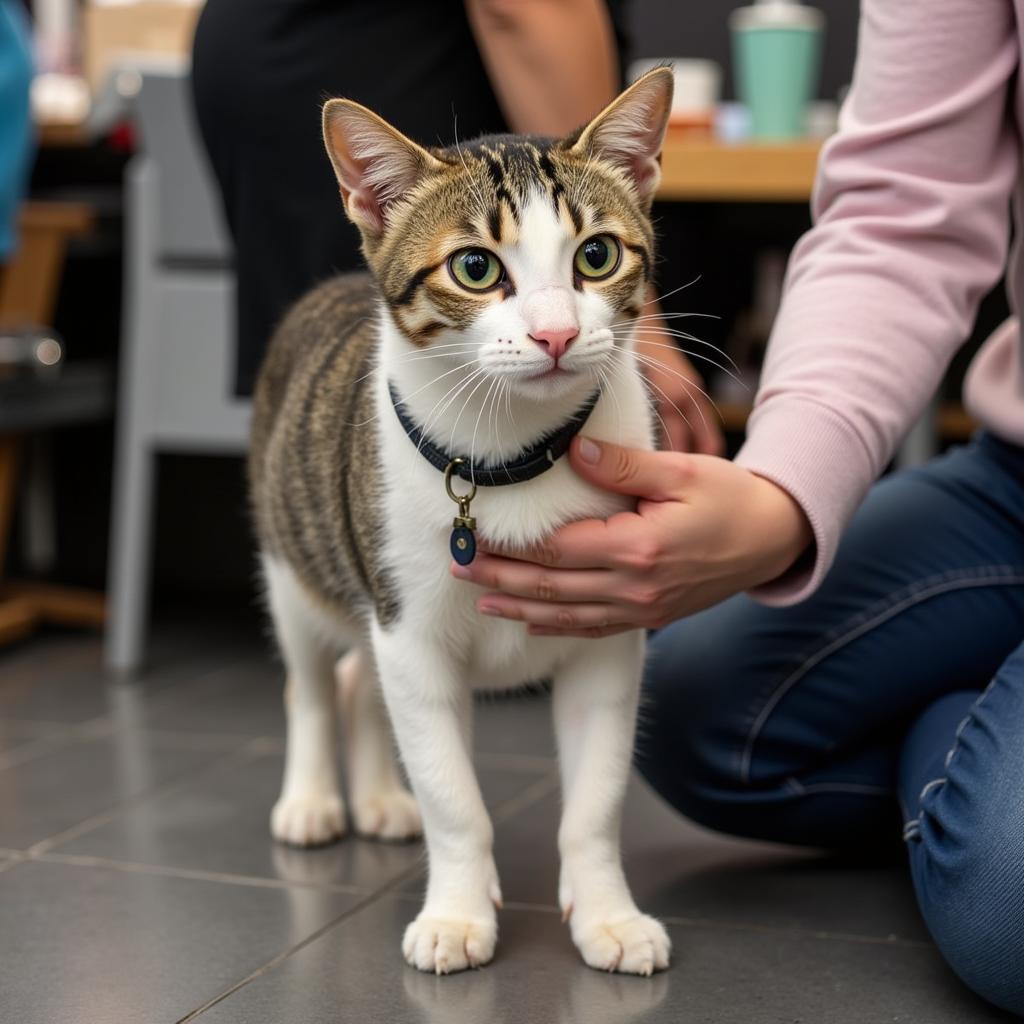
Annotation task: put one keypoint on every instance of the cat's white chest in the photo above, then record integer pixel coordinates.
(498, 653)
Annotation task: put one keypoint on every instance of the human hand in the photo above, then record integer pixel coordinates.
(704, 529)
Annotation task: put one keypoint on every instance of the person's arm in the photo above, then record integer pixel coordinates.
(911, 229)
(552, 63)
(912, 225)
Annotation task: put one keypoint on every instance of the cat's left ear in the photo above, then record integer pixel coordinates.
(375, 163)
(629, 132)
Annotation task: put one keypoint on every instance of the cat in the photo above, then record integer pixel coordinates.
(505, 277)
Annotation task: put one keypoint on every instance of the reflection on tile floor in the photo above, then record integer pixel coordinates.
(138, 881)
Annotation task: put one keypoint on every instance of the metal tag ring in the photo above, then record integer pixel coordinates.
(457, 498)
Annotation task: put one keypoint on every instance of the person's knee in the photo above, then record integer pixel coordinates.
(972, 898)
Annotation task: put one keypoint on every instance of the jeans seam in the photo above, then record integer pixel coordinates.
(910, 596)
(912, 828)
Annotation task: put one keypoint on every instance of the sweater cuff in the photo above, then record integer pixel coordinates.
(816, 456)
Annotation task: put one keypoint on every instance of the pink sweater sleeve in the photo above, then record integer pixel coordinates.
(911, 210)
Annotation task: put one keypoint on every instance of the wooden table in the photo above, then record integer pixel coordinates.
(61, 134)
(696, 169)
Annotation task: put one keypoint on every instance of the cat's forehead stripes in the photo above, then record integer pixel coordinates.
(516, 166)
(477, 197)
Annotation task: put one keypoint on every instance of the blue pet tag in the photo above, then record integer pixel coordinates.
(463, 542)
(463, 539)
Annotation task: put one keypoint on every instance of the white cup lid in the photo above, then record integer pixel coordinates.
(777, 14)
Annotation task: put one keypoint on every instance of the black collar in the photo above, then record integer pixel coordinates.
(531, 462)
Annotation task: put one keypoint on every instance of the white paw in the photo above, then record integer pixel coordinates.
(308, 820)
(635, 945)
(392, 814)
(445, 945)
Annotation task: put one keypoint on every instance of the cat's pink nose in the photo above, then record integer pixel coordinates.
(555, 342)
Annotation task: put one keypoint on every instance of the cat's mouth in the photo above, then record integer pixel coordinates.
(552, 373)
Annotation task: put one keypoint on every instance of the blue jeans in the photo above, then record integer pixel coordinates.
(896, 691)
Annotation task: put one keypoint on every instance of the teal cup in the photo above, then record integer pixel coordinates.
(777, 52)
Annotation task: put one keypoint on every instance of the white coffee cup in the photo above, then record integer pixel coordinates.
(698, 85)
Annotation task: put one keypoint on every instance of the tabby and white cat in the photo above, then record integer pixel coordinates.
(503, 271)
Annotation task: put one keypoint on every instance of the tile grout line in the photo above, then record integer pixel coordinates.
(166, 691)
(299, 946)
(246, 749)
(525, 765)
(531, 795)
(42, 727)
(747, 926)
(534, 793)
(740, 926)
(31, 749)
(195, 874)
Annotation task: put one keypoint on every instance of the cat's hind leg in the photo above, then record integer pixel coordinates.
(381, 805)
(310, 810)
(595, 704)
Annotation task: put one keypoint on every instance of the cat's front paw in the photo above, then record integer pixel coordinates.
(391, 815)
(312, 820)
(445, 945)
(634, 945)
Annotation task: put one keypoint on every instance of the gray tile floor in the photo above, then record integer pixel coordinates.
(138, 882)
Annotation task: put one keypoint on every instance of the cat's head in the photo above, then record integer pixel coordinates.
(529, 256)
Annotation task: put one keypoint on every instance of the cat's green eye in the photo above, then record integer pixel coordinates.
(476, 269)
(597, 257)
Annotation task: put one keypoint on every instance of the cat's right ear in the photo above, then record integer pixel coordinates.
(375, 164)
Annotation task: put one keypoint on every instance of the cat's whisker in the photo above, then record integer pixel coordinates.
(661, 391)
(697, 355)
(492, 415)
(437, 412)
(508, 407)
(687, 384)
(675, 291)
(665, 368)
(440, 376)
(465, 405)
(440, 355)
(680, 349)
(683, 336)
(450, 397)
(479, 416)
(606, 385)
(664, 316)
(412, 357)
(495, 412)
(473, 186)
(435, 348)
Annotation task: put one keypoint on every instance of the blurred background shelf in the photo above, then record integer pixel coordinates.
(706, 170)
(56, 134)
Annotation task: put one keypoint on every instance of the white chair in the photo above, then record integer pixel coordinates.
(177, 347)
